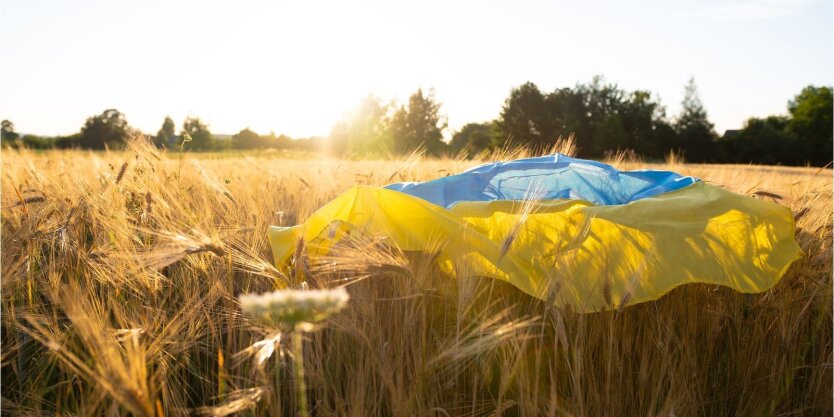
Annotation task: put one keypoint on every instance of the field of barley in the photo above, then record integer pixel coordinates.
(121, 273)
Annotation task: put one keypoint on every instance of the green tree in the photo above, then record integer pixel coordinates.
(365, 131)
(7, 133)
(811, 122)
(109, 129)
(762, 141)
(568, 116)
(603, 103)
(419, 124)
(201, 138)
(338, 141)
(277, 142)
(166, 135)
(696, 137)
(38, 142)
(610, 133)
(524, 117)
(645, 124)
(67, 142)
(247, 139)
(472, 137)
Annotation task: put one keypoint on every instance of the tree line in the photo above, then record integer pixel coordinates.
(110, 130)
(603, 118)
(600, 115)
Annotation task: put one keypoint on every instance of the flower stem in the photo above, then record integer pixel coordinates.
(298, 364)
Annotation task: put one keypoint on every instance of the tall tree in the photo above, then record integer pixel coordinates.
(644, 120)
(603, 103)
(762, 141)
(524, 118)
(419, 124)
(201, 138)
(166, 135)
(109, 129)
(811, 122)
(568, 116)
(7, 133)
(472, 137)
(365, 131)
(281, 141)
(696, 137)
(610, 133)
(247, 139)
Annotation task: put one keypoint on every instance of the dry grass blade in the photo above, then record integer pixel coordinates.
(532, 199)
(263, 350)
(121, 174)
(306, 184)
(800, 214)
(239, 401)
(358, 256)
(247, 260)
(27, 200)
(565, 146)
(485, 337)
(169, 249)
(763, 193)
(212, 247)
(301, 266)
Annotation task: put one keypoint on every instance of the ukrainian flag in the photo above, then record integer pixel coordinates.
(579, 233)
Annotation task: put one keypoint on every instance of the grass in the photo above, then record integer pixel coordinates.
(120, 281)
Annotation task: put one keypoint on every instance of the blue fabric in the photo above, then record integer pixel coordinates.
(547, 177)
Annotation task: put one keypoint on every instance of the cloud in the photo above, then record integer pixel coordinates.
(754, 9)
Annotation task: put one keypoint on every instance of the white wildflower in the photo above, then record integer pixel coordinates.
(293, 307)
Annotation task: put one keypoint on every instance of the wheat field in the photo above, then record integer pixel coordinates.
(121, 273)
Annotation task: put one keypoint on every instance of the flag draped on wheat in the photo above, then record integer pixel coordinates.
(578, 233)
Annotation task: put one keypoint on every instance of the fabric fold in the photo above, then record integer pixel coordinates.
(633, 244)
(547, 177)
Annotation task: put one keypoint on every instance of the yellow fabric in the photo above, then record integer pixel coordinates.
(585, 257)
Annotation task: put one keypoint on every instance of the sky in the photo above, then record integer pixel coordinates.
(298, 67)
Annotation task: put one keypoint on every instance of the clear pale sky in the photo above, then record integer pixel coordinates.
(297, 67)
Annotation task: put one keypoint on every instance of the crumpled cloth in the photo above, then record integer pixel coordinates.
(577, 253)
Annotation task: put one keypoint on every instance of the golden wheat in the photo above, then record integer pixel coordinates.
(121, 273)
